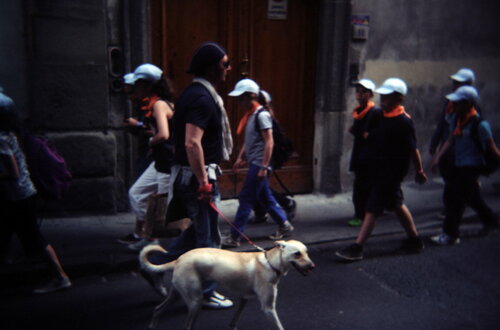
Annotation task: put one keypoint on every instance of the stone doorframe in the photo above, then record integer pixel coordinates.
(331, 73)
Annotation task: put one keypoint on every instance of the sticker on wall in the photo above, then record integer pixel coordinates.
(277, 9)
(360, 27)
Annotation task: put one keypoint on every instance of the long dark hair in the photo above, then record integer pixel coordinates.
(162, 88)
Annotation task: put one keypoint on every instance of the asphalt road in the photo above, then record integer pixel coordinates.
(455, 287)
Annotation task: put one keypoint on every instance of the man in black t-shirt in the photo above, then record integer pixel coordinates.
(394, 145)
(202, 140)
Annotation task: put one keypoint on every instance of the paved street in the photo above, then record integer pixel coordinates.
(453, 287)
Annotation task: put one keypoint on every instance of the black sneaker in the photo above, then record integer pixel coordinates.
(352, 252)
(412, 245)
(129, 239)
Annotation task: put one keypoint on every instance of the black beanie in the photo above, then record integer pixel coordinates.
(206, 55)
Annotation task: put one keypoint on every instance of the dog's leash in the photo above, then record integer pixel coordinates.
(213, 206)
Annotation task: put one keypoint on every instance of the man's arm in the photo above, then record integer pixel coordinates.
(267, 135)
(194, 151)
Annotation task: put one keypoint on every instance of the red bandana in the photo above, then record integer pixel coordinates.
(397, 111)
(361, 114)
(463, 121)
(148, 103)
(244, 119)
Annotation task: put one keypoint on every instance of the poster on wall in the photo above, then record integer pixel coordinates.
(360, 27)
(277, 9)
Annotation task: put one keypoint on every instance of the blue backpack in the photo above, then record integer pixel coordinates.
(47, 167)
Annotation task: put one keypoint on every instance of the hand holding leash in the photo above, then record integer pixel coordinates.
(205, 192)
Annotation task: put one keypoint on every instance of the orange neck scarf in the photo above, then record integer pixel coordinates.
(461, 122)
(397, 111)
(243, 122)
(361, 114)
(148, 103)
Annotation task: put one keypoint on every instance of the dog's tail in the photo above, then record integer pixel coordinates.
(150, 267)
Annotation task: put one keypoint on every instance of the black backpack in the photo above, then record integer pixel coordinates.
(282, 149)
(491, 163)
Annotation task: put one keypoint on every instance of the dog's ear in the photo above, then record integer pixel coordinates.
(281, 244)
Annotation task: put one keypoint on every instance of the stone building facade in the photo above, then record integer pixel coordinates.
(62, 61)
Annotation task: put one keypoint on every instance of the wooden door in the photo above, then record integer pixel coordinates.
(278, 54)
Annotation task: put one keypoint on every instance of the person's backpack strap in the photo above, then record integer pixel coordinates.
(257, 124)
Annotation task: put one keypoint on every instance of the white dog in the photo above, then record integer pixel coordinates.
(245, 274)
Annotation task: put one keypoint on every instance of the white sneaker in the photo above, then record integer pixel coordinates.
(54, 285)
(444, 239)
(138, 246)
(217, 301)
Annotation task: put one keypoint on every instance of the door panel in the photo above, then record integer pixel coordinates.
(278, 54)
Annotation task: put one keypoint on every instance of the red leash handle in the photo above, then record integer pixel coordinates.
(212, 204)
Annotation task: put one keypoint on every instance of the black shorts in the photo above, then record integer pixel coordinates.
(21, 219)
(384, 196)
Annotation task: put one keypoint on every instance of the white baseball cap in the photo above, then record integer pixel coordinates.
(468, 93)
(128, 79)
(392, 85)
(464, 75)
(245, 86)
(366, 83)
(267, 96)
(147, 72)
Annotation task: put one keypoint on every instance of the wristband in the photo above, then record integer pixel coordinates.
(140, 123)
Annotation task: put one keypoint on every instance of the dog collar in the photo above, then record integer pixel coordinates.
(277, 271)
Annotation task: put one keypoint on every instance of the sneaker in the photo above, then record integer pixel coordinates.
(138, 246)
(129, 239)
(352, 252)
(217, 301)
(356, 222)
(155, 280)
(229, 242)
(412, 245)
(290, 209)
(283, 231)
(444, 239)
(53, 286)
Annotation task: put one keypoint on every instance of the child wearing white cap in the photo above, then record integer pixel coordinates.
(394, 144)
(363, 120)
(463, 77)
(152, 92)
(470, 137)
(257, 151)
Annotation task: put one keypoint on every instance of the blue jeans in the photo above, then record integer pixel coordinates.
(204, 230)
(256, 190)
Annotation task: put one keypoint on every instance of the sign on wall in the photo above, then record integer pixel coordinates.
(277, 9)
(360, 27)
